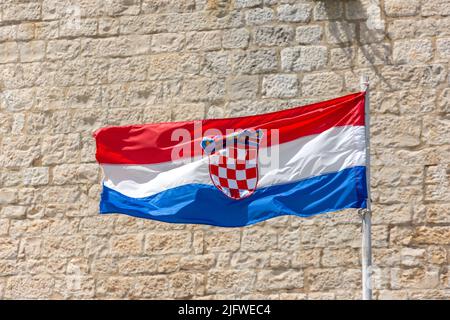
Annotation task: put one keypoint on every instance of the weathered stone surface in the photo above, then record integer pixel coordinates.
(392, 214)
(436, 255)
(315, 236)
(200, 262)
(108, 26)
(171, 66)
(8, 33)
(437, 213)
(8, 196)
(18, 100)
(299, 12)
(315, 84)
(36, 176)
(32, 51)
(443, 48)
(22, 11)
(259, 16)
(192, 111)
(289, 239)
(247, 3)
(408, 102)
(137, 265)
(29, 287)
(340, 32)
(429, 294)
(70, 174)
(250, 260)
(151, 286)
(221, 241)
(306, 258)
(13, 212)
(126, 245)
(216, 63)
(166, 42)
(255, 61)
(235, 38)
(20, 151)
(141, 24)
(183, 284)
(328, 9)
(223, 281)
(204, 40)
(273, 36)
(115, 47)
(392, 176)
(203, 89)
(272, 280)
(308, 34)
(431, 235)
(374, 54)
(243, 87)
(340, 257)
(405, 133)
(412, 51)
(168, 242)
(386, 257)
(436, 131)
(280, 86)
(416, 278)
(412, 257)
(331, 279)
(58, 149)
(8, 248)
(150, 6)
(435, 7)
(258, 240)
(305, 58)
(402, 8)
(63, 49)
(115, 287)
(342, 57)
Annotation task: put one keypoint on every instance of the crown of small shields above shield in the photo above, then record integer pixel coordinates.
(233, 162)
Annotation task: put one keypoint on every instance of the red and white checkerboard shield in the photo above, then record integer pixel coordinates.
(233, 162)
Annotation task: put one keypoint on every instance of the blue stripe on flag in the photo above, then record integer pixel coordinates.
(204, 204)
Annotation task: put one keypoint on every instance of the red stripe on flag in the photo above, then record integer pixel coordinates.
(153, 143)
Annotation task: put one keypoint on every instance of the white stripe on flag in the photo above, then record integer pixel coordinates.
(333, 150)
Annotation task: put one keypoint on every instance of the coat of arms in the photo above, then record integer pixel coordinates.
(233, 162)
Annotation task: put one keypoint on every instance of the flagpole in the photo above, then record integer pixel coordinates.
(366, 213)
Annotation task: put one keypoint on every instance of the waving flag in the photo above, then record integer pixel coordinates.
(238, 171)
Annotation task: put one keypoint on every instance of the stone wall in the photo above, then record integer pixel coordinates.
(70, 67)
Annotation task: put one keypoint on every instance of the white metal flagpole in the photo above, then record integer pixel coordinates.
(366, 213)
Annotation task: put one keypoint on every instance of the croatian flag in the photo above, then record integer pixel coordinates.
(238, 171)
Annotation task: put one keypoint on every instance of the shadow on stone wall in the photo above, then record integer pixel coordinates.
(362, 25)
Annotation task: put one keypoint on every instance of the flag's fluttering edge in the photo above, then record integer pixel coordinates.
(238, 171)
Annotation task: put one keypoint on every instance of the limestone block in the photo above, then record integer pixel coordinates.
(242, 87)
(308, 34)
(222, 241)
(298, 12)
(168, 242)
(402, 8)
(235, 38)
(412, 51)
(255, 61)
(280, 86)
(304, 58)
(259, 16)
(256, 239)
(267, 36)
